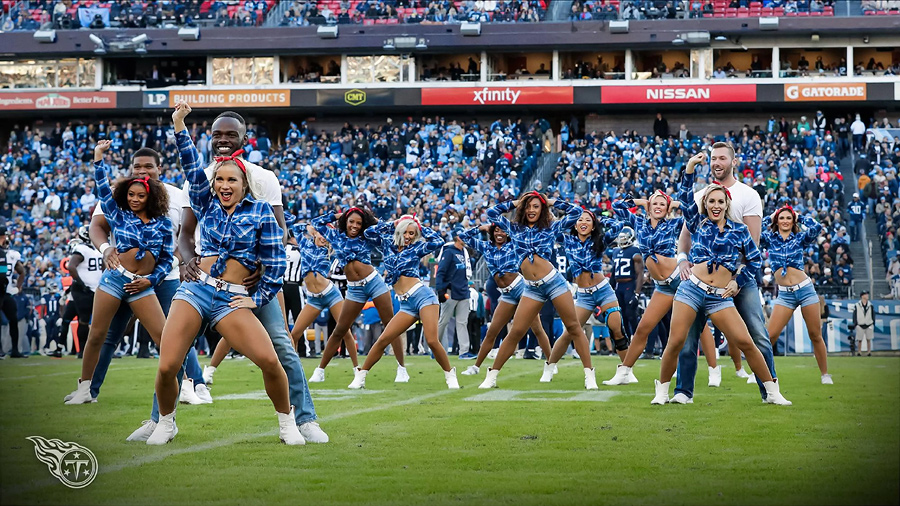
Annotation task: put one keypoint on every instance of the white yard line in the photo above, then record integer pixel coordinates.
(69, 373)
(157, 457)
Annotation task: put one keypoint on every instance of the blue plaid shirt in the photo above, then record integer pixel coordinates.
(312, 257)
(718, 249)
(662, 240)
(345, 249)
(530, 241)
(784, 253)
(403, 262)
(249, 234)
(580, 254)
(500, 260)
(154, 237)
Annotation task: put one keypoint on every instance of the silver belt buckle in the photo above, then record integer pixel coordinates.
(710, 290)
(220, 285)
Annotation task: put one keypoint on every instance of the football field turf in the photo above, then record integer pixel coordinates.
(419, 443)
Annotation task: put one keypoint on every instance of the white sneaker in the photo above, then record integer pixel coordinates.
(490, 381)
(751, 380)
(680, 398)
(208, 372)
(359, 379)
(555, 369)
(520, 353)
(164, 431)
(312, 433)
(402, 375)
(741, 373)
(318, 375)
(575, 355)
(773, 395)
(450, 378)
(493, 353)
(590, 379)
(287, 429)
(547, 376)
(188, 395)
(82, 394)
(621, 376)
(826, 379)
(472, 370)
(715, 376)
(202, 392)
(662, 392)
(144, 431)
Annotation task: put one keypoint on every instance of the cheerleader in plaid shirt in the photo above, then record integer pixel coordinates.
(137, 213)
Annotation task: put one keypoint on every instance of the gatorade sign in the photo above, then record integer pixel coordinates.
(816, 92)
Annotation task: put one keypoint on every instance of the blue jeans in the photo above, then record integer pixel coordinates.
(164, 293)
(749, 306)
(271, 318)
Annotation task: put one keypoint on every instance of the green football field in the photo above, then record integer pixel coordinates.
(418, 443)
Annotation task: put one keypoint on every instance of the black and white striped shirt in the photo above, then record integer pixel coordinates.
(292, 274)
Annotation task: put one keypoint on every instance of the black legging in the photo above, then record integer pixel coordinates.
(10, 310)
(83, 300)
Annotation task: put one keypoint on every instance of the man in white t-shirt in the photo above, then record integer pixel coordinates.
(746, 208)
(229, 134)
(144, 163)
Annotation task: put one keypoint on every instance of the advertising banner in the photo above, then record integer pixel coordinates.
(356, 97)
(540, 95)
(57, 100)
(674, 94)
(836, 331)
(824, 92)
(203, 99)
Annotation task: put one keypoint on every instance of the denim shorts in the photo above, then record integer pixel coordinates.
(212, 304)
(552, 286)
(591, 301)
(669, 289)
(695, 297)
(513, 296)
(113, 283)
(421, 297)
(370, 291)
(803, 297)
(324, 299)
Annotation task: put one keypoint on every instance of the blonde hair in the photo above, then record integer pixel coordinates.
(402, 225)
(711, 188)
(244, 174)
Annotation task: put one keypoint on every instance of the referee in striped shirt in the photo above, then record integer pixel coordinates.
(293, 295)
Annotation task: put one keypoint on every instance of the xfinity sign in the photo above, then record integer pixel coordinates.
(506, 96)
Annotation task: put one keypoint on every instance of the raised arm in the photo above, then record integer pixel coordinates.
(101, 176)
(320, 223)
(273, 258)
(200, 193)
(622, 210)
(495, 214)
(380, 234)
(472, 238)
(572, 211)
(813, 229)
(765, 236)
(432, 242)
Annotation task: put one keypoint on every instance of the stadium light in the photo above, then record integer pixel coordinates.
(422, 45)
(618, 27)
(101, 46)
(45, 36)
(470, 29)
(327, 32)
(140, 39)
(189, 33)
(389, 45)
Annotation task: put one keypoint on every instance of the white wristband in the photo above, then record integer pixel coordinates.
(681, 257)
(103, 247)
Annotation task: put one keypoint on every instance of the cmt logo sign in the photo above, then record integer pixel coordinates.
(355, 97)
(156, 99)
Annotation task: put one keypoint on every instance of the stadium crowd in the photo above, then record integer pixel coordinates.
(448, 171)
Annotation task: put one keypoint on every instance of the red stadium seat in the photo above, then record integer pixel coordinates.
(815, 13)
(718, 14)
(803, 14)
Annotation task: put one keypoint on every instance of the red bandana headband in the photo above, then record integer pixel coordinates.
(789, 208)
(410, 217)
(144, 181)
(666, 196)
(538, 195)
(235, 157)
(717, 186)
(589, 212)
